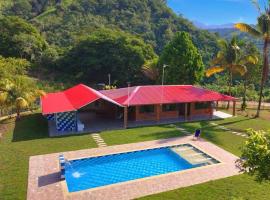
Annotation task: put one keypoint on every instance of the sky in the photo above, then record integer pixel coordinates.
(216, 12)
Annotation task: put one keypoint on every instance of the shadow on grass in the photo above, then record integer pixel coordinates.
(30, 127)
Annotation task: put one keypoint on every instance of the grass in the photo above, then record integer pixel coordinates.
(224, 139)
(29, 137)
(26, 138)
(240, 187)
(242, 123)
(139, 134)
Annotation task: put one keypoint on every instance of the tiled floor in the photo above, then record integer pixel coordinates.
(43, 181)
(94, 124)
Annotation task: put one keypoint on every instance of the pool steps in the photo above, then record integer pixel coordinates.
(193, 155)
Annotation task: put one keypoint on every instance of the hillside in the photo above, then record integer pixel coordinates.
(61, 21)
(227, 33)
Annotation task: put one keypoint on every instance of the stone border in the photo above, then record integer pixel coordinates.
(44, 183)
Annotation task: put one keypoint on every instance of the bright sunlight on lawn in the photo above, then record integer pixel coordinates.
(29, 137)
(26, 138)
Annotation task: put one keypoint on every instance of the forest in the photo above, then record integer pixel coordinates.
(59, 43)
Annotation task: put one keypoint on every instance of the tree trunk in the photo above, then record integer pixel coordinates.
(265, 72)
(18, 117)
(244, 103)
(230, 87)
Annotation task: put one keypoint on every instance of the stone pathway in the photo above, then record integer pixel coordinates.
(184, 131)
(230, 130)
(98, 139)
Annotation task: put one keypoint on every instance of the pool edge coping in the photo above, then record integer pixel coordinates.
(34, 190)
(67, 193)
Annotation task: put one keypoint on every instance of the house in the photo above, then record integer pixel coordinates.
(82, 108)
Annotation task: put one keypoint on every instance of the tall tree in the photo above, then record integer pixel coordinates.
(20, 39)
(227, 60)
(249, 57)
(104, 52)
(184, 60)
(262, 31)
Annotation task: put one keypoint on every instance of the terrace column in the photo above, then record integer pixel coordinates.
(158, 107)
(186, 111)
(234, 108)
(125, 117)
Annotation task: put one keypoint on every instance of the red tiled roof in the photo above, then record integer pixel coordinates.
(81, 95)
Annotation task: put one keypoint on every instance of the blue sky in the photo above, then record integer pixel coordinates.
(215, 12)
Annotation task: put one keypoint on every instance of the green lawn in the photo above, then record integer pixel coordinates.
(29, 137)
(240, 187)
(139, 134)
(242, 123)
(224, 139)
(26, 138)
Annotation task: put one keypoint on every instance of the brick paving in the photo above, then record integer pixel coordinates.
(44, 183)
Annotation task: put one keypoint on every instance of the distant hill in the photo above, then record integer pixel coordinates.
(212, 27)
(61, 21)
(227, 33)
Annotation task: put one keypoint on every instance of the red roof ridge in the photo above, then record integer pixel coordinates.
(126, 102)
(102, 96)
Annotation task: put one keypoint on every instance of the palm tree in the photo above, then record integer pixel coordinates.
(150, 69)
(227, 60)
(249, 61)
(20, 94)
(262, 31)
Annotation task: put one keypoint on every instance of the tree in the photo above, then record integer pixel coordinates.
(20, 39)
(227, 60)
(150, 69)
(184, 60)
(17, 90)
(21, 8)
(255, 159)
(263, 32)
(106, 52)
(249, 57)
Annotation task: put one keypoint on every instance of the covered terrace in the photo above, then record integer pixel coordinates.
(83, 109)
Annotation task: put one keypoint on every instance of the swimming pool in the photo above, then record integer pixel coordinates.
(99, 171)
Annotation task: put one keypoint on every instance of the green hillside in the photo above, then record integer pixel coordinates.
(61, 21)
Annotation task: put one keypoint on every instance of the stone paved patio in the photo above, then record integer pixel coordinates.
(44, 184)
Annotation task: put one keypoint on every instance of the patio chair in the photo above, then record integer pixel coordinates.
(197, 134)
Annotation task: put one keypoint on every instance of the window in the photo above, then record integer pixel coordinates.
(147, 109)
(168, 107)
(203, 105)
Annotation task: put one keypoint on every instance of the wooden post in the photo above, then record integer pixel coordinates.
(158, 107)
(217, 106)
(234, 108)
(125, 117)
(186, 111)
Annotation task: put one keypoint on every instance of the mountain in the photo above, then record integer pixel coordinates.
(203, 26)
(62, 21)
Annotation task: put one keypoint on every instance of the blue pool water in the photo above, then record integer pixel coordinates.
(100, 171)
